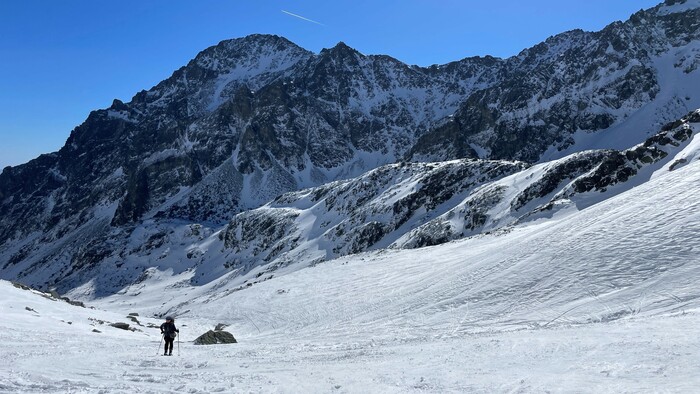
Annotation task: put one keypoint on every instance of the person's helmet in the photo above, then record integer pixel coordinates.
(169, 318)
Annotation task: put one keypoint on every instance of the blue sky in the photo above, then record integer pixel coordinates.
(61, 59)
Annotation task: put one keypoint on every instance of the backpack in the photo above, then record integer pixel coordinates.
(169, 330)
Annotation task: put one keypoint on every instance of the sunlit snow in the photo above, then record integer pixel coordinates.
(605, 299)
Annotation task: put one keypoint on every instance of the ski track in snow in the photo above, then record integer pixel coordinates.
(43, 353)
(613, 357)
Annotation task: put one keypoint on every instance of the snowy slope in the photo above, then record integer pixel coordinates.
(604, 298)
(631, 254)
(414, 205)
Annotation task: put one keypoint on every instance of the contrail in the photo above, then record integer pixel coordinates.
(301, 17)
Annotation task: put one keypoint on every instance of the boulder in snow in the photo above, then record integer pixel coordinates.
(215, 337)
(123, 326)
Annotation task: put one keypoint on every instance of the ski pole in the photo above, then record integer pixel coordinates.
(161, 342)
(178, 344)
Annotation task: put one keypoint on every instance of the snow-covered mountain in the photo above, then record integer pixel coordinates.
(188, 175)
(602, 299)
(606, 89)
(397, 206)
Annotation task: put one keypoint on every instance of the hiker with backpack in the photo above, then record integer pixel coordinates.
(169, 332)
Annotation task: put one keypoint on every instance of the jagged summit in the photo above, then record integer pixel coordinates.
(230, 53)
(341, 49)
(257, 39)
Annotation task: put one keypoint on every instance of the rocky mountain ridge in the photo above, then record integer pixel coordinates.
(404, 205)
(252, 118)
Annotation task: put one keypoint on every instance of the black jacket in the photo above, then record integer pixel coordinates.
(169, 329)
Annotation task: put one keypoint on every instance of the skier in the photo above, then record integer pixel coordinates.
(169, 332)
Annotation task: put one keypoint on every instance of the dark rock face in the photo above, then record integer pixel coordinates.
(412, 205)
(215, 338)
(538, 100)
(364, 213)
(253, 118)
(570, 168)
(562, 182)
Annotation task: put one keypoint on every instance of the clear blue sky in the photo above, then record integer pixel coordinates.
(60, 59)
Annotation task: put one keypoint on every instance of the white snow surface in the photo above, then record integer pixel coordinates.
(604, 299)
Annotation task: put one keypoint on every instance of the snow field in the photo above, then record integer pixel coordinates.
(632, 355)
(602, 300)
(43, 354)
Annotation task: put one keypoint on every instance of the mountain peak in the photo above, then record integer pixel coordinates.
(217, 71)
(257, 39)
(342, 45)
(340, 49)
(251, 46)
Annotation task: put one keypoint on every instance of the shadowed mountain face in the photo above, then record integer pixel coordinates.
(252, 118)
